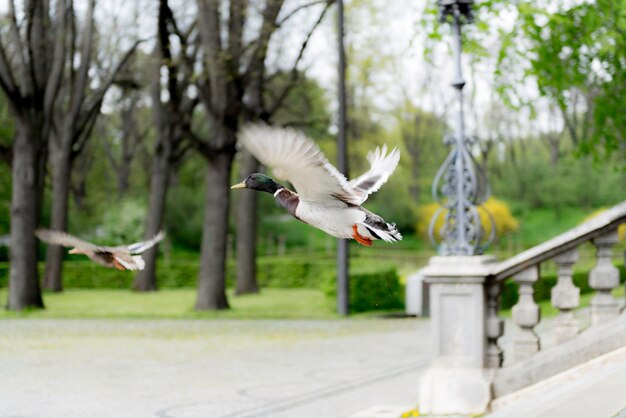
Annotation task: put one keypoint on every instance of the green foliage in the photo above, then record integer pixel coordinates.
(185, 205)
(582, 47)
(124, 223)
(539, 225)
(573, 182)
(305, 105)
(573, 52)
(277, 272)
(373, 290)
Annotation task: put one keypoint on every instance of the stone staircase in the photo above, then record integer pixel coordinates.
(594, 389)
(468, 374)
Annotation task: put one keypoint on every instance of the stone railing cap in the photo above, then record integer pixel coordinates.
(602, 224)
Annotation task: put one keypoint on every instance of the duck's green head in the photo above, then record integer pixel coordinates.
(258, 181)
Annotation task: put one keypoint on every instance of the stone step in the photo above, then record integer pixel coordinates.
(594, 389)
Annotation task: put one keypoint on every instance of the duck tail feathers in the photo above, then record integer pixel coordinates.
(139, 262)
(385, 231)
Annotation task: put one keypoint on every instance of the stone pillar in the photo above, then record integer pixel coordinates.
(603, 278)
(565, 297)
(526, 315)
(457, 381)
(495, 325)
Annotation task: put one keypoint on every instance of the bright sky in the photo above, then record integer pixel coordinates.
(386, 32)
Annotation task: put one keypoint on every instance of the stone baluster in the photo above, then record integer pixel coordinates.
(565, 297)
(603, 278)
(526, 315)
(494, 326)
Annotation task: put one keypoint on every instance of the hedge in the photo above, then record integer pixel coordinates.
(372, 290)
(271, 272)
(373, 286)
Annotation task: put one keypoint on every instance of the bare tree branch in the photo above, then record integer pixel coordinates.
(294, 69)
(56, 72)
(214, 56)
(7, 81)
(94, 109)
(203, 147)
(302, 7)
(268, 27)
(182, 150)
(235, 31)
(79, 88)
(80, 144)
(19, 46)
(73, 36)
(165, 16)
(110, 154)
(36, 41)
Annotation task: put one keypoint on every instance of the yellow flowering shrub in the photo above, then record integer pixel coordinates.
(411, 413)
(621, 230)
(503, 219)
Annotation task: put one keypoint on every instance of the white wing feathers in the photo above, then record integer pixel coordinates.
(382, 166)
(140, 247)
(62, 238)
(67, 240)
(294, 157)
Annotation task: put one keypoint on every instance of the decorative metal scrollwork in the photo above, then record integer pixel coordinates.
(460, 186)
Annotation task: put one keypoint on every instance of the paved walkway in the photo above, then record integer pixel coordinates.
(208, 369)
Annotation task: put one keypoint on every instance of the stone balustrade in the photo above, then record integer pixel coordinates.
(467, 371)
(603, 278)
(526, 315)
(565, 297)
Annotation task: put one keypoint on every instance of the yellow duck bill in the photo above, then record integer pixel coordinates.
(241, 185)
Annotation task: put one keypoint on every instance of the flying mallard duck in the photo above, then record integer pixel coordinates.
(325, 199)
(122, 257)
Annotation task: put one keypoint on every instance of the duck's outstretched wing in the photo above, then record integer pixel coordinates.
(64, 239)
(382, 166)
(140, 247)
(294, 157)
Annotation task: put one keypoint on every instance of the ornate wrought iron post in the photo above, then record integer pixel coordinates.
(459, 185)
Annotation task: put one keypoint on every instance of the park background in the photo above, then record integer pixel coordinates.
(140, 135)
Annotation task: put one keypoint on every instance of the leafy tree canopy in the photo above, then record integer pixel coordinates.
(573, 52)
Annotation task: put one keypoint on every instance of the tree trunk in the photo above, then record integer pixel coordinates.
(247, 230)
(24, 291)
(212, 278)
(555, 153)
(123, 174)
(415, 189)
(146, 280)
(61, 168)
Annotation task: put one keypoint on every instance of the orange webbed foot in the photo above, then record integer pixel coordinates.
(360, 238)
(118, 265)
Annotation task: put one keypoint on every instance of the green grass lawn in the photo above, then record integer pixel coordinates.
(178, 304)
